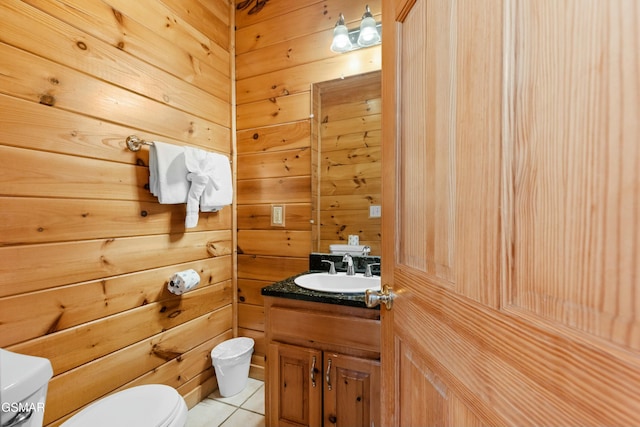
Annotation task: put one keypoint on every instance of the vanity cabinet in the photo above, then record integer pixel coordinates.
(323, 364)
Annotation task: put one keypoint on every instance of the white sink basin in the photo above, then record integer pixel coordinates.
(338, 283)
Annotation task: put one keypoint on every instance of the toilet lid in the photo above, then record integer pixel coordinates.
(153, 405)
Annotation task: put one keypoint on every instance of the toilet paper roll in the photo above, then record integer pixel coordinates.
(183, 281)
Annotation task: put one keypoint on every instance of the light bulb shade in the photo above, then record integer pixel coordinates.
(341, 42)
(368, 32)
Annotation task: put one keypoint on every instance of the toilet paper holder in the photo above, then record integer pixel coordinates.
(183, 281)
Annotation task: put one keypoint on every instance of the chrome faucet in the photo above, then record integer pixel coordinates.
(349, 260)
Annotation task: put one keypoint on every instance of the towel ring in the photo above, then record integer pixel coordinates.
(134, 143)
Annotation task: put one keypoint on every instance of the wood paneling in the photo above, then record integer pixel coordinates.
(251, 317)
(249, 291)
(274, 242)
(277, 9)
(295, 189)
(281, 51)
(70, 89)
(69, 176)
(149, 32)
(275, 164)
(86, 251)
(270, 268)
(71, 262)
(31, 315)
(274, 111)
(44, 220)
(274, 138)
(576, 162)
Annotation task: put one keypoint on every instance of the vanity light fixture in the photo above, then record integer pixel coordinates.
(341, 42)
(345, 40)
(369, 35)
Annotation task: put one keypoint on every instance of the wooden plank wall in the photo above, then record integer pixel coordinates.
(280, 52)
(347, 116)
(85, 250)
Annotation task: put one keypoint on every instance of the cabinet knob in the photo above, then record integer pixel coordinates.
(333, 419)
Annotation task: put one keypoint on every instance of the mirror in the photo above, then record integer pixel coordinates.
(346, 170)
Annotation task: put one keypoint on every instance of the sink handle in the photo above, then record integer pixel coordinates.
(332, 266)
(367, 270)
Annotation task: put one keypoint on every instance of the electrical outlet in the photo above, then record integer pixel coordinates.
(277, 215)
(375, 211)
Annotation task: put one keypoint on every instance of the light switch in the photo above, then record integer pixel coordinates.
(375, 211)
(277, 215)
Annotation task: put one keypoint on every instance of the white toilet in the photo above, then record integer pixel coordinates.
(25, 379)
(153, 405)
(23, 389)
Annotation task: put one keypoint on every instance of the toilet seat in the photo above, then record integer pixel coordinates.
(153, 405)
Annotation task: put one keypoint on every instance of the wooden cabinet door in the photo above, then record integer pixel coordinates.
(511, 212)
(295, 386)
(351, 391)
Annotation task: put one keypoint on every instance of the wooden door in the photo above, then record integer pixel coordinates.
(351, 391)
(511, 212)
(295, 386)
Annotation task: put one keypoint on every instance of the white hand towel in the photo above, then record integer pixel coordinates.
(168, 173)
(199, 174)
(211, 186)
(219, 190)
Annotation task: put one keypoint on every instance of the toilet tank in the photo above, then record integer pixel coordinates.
(23, 389)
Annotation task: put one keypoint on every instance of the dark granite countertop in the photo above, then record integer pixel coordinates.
(288, 289)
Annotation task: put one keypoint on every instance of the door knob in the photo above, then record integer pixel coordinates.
(373, 298)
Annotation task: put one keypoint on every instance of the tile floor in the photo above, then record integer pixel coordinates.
(245, 409)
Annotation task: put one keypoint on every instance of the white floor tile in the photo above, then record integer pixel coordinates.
(240, 398)
(256, 402)
(242, 418)
(209, 413)
(245, 409)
